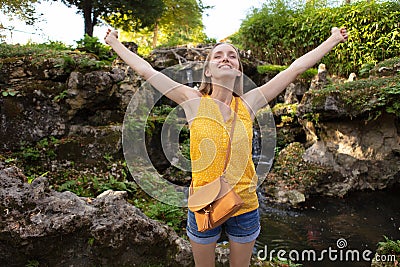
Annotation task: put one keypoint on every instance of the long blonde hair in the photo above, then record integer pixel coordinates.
(206, 86)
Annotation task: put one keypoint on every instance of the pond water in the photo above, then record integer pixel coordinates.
(344, 228)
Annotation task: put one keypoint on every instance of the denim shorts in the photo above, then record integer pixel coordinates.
(243, 228)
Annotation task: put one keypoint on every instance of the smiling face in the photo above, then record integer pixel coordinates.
(223, 60)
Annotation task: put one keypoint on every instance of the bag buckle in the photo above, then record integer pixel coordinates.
(209, 210)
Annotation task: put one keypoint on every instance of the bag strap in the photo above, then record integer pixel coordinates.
(228, 150)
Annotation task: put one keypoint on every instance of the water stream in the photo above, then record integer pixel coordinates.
(358, 221)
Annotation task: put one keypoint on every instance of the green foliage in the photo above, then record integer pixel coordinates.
(22, 9)
(162, 110)
(265, 32)
(32, 263)
(9, 92)
(180, 23)
(285, 120)
(61, 55)
(64, 56)
(30, 153)
(91, 241)
(32, 49)
(60, 96)
(368, 97)
(262, 69)
(288, 109)
(34, 176)
(286, 263)
(389, 67)
(171, 215)
(135, 125)
(161, 189)
(93, 45)
(43, 148)
(71, 62)
(91, 185)
(279, 34)
(389, 247)
(132, 14)
(365, 69)
(275, 69)
(185, 148)
(292, 172)
(67, 63)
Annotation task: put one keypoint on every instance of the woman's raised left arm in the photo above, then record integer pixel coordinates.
(260, 96)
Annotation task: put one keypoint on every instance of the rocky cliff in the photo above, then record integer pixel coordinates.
(349, 138)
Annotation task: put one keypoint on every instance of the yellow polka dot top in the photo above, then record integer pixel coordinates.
(209, 137)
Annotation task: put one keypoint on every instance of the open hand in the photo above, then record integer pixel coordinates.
(110, 36)
(340, 34)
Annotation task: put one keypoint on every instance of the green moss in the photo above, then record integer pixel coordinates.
(275, 69)
(292, 172)
(391, 66)
(367, 97)
(263, 69)
(51, 55)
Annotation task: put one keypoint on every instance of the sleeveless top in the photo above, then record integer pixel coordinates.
(209, 136)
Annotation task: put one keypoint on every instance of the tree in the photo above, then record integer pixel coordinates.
(180, 17)
(141, 13)
(181, 22)
(23, 9)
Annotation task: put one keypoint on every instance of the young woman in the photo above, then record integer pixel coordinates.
(209, 112)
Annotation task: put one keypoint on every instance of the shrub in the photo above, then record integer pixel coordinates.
(93, 45)
(279, 34)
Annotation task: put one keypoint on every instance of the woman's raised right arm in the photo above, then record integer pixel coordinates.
(177, 92)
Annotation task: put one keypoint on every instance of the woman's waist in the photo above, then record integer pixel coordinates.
(244, 182)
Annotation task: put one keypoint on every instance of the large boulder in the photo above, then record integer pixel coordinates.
(53, 228)
(366, 155)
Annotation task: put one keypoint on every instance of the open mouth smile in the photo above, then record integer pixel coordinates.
(225, 66)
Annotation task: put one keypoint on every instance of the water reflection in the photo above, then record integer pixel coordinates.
(361, 219)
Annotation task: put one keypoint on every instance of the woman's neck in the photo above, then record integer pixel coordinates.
(222, 94)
